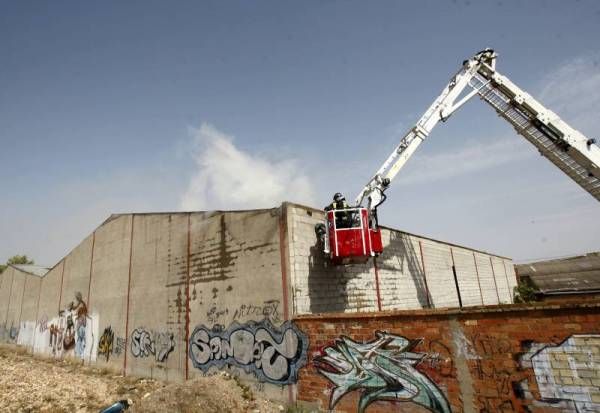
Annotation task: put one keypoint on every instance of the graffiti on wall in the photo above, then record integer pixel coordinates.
(43, 324)
(567, 373)
(110, 345)
(13, 332)
(382, 369)
(69, 331)
(273, 354)
(106, 342)
(268, 309)
(147, 343)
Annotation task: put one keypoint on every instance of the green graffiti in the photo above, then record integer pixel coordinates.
(383, 369)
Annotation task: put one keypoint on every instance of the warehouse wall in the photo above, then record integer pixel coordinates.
(171, 296)
(28, 314)
(238, 301)
(180, 295)
(15, 301)
(413, 272)
(19, 292)
(156, 330)
(512, 359)
(6, 280)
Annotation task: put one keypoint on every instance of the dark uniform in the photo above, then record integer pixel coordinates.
(342, 219)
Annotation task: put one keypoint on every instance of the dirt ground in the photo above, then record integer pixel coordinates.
(32, 384)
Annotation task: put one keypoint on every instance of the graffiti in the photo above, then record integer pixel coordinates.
(439, 359)
(464, 346)
(567, 372)
(13, 332)
(105, 344)
(214, 314)
(382, 369)
(146, 343)
(490, 345)
(80, 310)
(269, 309)
(69, 330)
(43, 324)
(273, 354)
(142, 344)
(120, 346)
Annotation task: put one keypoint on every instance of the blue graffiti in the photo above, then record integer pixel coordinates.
(273, 354)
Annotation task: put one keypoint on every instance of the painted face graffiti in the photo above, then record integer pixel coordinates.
(146, 343)
(273, 354)
(383, 369)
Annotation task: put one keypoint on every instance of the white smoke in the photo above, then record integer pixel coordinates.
(227, 178)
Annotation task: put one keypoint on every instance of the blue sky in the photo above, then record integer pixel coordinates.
(166, 106)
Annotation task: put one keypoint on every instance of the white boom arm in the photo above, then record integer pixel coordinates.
(575, 154)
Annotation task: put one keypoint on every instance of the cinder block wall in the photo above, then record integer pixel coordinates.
(413, 272)
(510, 359)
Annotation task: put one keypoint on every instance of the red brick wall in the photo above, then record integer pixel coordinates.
(479, 360)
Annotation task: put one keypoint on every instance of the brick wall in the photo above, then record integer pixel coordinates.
(488, 359)
(413, 272)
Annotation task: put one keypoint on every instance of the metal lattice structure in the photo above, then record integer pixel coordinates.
(575, 154)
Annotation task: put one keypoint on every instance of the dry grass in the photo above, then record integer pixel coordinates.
(44, 384)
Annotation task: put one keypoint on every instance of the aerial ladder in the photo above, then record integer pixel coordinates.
(353, 235)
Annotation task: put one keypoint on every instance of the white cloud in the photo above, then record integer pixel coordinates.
(229, 178)
(464, 160)
(573, 92)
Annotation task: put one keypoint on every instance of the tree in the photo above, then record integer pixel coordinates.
(16, 259)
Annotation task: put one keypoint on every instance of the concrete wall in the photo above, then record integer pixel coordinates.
(19, 292)
(413, 272)
(6, 283)
(509, 359)
(237, 301)
(109, 286)
(157, 297)
(29, 308)
(156, 294)
(180, 295)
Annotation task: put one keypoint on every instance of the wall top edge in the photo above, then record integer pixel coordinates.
(446, 312)
(311, 209)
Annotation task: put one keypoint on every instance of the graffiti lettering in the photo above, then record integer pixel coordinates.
(214, 314)
(382, 369)
(269, 309)
(274, 354)
(439, 358)
(145, 343)
(105, 344)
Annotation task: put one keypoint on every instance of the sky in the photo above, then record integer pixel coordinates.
(140, 106)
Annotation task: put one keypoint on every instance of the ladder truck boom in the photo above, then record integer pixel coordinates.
(352, 235)
(571, 151)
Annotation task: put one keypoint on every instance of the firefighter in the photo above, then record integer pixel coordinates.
(342, 219)
(339, 202)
